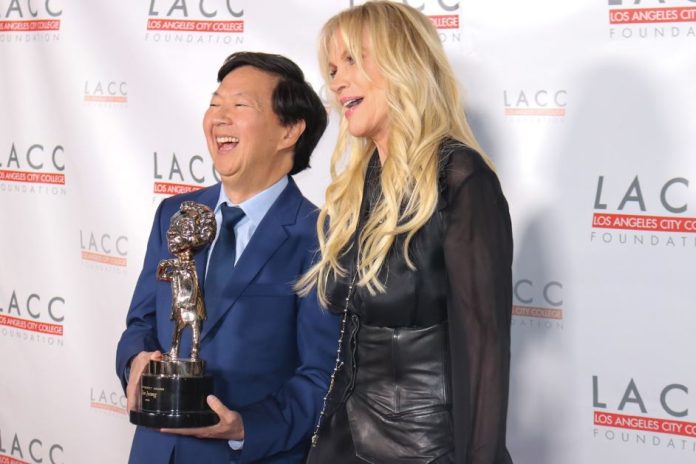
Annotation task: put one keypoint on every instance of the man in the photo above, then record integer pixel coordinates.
(269, 351)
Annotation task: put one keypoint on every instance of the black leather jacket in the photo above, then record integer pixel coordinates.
(426, 363)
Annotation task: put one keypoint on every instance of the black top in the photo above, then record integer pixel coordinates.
(463, 259)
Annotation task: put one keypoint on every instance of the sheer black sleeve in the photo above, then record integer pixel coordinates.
(478, 258)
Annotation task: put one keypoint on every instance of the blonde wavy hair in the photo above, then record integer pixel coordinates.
(424, 109)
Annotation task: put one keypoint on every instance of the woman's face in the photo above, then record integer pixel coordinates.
(361, 93)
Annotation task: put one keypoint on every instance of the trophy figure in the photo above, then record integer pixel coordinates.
(173, 391)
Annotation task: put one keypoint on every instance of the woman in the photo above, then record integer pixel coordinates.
(416, 255)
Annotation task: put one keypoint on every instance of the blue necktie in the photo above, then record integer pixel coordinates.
(224, 252)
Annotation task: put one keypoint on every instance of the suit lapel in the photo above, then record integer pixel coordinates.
(267, 238)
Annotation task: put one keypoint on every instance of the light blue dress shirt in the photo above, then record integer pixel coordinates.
(255, 209)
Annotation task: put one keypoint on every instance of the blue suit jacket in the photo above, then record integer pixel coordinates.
(269, 351)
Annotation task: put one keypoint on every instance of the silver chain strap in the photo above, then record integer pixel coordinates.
(339, 363)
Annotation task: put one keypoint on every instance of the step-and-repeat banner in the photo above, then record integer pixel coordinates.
(588, 108)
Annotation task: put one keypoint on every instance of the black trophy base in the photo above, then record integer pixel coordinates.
(173, 395)
(174, 420)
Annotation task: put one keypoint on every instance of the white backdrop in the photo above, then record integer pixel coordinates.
(587, 107)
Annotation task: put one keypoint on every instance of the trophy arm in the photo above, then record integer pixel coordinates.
(177, 275)
(196, 296)
(164, 269)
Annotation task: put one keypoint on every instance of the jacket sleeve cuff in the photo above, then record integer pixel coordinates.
(260, 422)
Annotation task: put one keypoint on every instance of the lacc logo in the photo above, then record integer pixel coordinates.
(104, 248)
(108, 400)
(670, 398)
(43, 315)
(198, 16)
(106, 91)
(440, 12)
(171, 178)
(28, 16)
(651, 16)
(538, 299)
(29, 165)
(538, 102)
(16, 449)
(634, 198)
(181, 8)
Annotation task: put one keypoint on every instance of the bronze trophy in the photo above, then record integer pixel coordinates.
(173, 391)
